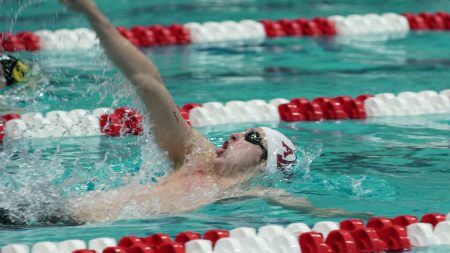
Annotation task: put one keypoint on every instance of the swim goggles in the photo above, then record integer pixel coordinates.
(14, 69)
(255, 138)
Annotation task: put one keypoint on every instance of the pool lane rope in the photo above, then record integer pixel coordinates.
(127, 121)
(387, 24)
(379, 234)
(321, 108)
(76, 123)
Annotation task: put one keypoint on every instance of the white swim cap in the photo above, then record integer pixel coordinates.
(281, 152)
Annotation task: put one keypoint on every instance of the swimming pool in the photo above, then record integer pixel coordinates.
(387, 166)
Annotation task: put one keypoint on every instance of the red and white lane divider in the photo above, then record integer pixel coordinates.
(321, 108)
(101, 121)
(123, 120)
(380, 234)
(245, 30)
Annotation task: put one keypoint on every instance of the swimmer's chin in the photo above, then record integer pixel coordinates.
(220, 151)
(220, 163)
(220, 157)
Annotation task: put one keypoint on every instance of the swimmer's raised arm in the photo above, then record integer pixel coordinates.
(122, 53)
(171, 131)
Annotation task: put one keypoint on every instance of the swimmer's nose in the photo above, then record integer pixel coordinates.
(234, 137)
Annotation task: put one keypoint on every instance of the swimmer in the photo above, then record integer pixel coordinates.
(202, 174)
(12, 70)
(20, 83)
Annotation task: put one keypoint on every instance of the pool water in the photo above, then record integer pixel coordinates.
(387, 166)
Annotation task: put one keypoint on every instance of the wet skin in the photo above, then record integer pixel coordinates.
(201, 173)
(209, 175)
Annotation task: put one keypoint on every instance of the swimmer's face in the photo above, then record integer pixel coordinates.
(243, 152)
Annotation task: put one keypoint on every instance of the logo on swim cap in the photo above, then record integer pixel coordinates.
(285, 159)
(281, 152)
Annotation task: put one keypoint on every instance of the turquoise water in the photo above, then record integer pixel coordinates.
(387, 166)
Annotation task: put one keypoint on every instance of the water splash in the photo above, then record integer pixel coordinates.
(24, 95)
(297, 173)
(39, 176)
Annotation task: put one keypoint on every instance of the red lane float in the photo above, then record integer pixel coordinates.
(215, 235)
(298, 27)
(141, 249)
(157, 240)
(19, 42)
(351, 224)
(312, 242)
(404, 220)
(341, 241)
(156, 35)
(429, 21)
(130, 241)
(433, 218)
(178, 34)
(368, 240)
(187, 236)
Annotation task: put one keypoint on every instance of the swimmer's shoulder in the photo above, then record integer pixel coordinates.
(198, 150)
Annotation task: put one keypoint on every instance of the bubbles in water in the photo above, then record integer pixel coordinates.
(309, 154)
(26, 190)
(25, 95)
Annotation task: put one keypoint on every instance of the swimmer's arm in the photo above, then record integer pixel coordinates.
(122, 53)
(171, 130)
(289, 201)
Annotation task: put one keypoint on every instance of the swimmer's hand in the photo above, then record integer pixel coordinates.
(79, 5)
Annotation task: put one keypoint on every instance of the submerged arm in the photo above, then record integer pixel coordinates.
(171, 131)
(289, 201)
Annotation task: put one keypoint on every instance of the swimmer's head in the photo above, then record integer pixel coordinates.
(261, 148)
(12, 70)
